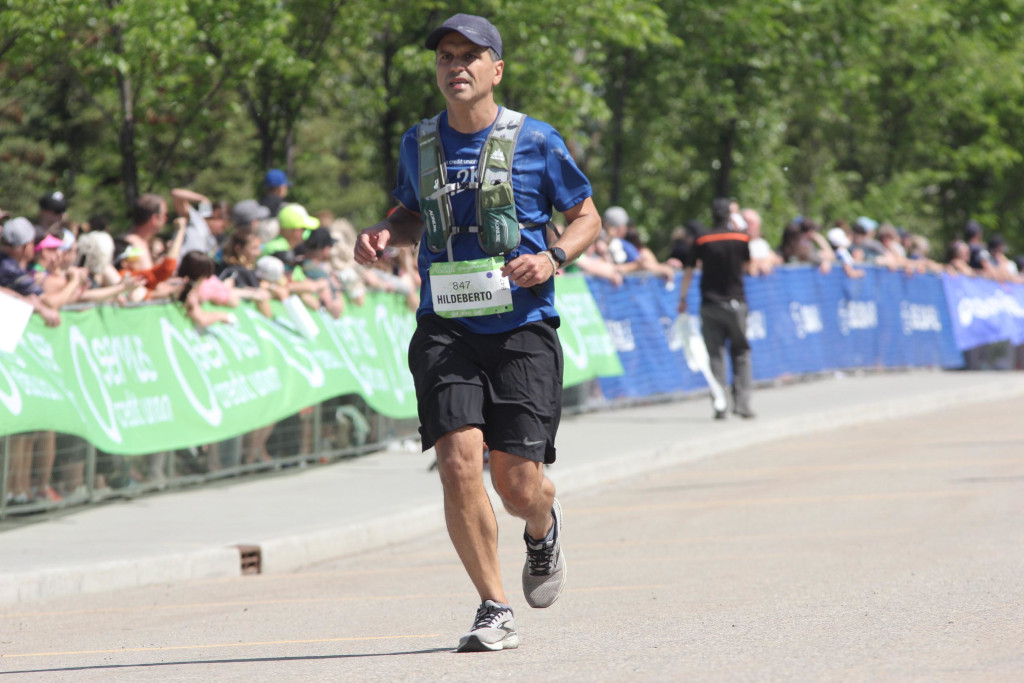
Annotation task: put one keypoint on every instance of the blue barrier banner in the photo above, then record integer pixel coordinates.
(800, 321)
(983, 311)
(635, 316)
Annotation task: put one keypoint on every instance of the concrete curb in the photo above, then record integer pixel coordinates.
(281, 555)
(118, 575)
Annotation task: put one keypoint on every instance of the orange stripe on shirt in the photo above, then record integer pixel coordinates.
(723, 236)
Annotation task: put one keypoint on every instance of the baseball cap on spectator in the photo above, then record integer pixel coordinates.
(476, 29)
(996, 241)
(18, 232)
(320, 238)
(837, 238)
(295, 217)
(247, 211)
(275, 178)
(270, 268)
(615, 215)
(54, 202)
(124, 251)
(49, 242)
(864, 225)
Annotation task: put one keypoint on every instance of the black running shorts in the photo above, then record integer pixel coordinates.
(507, 384)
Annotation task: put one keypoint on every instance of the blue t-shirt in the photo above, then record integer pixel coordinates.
(544, 175)
(14, 277)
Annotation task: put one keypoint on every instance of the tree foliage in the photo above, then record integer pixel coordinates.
(906, 111)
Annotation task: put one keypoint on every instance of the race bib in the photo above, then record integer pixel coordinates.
(462, 289)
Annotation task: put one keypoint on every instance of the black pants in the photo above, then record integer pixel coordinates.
(727, 322)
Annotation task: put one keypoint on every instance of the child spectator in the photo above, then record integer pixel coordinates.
(316, 266)
(201, 285)
(241, 251)
(270, 272)
(96, 255)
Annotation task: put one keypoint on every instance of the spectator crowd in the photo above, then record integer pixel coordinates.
(185, 252)
(194, 249)
(849, 246)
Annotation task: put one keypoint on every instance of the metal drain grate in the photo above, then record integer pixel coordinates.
(250, 557)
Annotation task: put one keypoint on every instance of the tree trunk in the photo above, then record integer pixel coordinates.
(389, 161)
(726, 146)
(618, 126)
(126, 134)
(289, 151)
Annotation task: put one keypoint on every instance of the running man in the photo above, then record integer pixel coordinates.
(476, 188)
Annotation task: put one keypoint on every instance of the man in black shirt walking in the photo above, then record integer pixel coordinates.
(724, 254)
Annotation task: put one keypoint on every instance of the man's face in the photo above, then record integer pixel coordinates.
(48, 218)
(22, 254)
(159, 219)
(465, 71)
(293, 236)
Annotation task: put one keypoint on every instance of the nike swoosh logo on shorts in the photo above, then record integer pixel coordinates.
(532, 443)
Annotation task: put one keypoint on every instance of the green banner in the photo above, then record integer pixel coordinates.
(142, 379)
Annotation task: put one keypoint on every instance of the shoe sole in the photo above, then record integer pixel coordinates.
(472, 643)
(561, 556)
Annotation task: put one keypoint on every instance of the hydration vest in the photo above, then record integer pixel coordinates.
(497, 225)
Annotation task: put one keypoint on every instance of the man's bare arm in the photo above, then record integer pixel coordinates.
(583, 227)
(403, 228)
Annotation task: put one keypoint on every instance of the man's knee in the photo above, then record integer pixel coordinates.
(518, 488)
(459, 459)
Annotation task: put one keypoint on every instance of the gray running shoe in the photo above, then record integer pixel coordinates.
(544, 571)
(493, 629)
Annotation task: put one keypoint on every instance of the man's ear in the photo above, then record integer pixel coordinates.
(499, 70)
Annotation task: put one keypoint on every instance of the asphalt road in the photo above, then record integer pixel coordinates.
(890, 551)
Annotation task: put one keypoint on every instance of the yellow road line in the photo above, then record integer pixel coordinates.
(164, 648)
(279, 601)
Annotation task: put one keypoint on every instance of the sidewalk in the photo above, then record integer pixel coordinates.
(298, 518)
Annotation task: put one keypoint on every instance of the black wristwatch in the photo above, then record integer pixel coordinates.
(558, 255)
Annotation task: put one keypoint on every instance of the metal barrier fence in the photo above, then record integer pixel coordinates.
(43, 471)
(47, 471)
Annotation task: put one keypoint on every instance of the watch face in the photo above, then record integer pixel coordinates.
(559, 255)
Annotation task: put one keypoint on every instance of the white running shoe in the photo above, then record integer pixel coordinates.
(493, 629)
(544, 572)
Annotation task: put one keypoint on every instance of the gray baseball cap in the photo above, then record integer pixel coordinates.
(18, 232)
(270, 268)
(477, 29)
(615, 216)
(247, 211)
